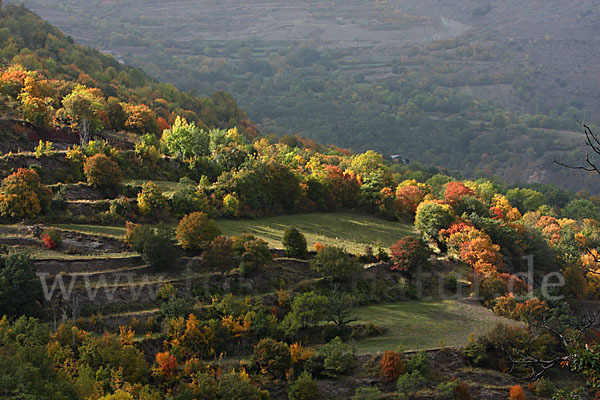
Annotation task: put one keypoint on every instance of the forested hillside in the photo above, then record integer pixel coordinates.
(46, 67)
(155, 245)
(480, 87)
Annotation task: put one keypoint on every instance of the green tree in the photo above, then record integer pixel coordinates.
(20, 288)
(308, 309)
(338, 359)
(189, 198)
(234, 386)
(186, 140)
(294, 243)
(526, 199)
(341, 307)
(431, 217)
(116, 114)
(335, 264)
(159, 249)
(256, 255)
(26, 369)
(409, 383)
(304, 388)
(581, 209)
(83, 107)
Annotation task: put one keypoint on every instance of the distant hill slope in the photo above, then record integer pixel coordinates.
(477, 86)
(29, 43)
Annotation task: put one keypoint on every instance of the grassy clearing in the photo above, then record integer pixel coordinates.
(415, 325)
(41, 253)
(112, 231)
(352, 231)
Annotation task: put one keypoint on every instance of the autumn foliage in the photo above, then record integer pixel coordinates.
(272, 358)
(150, 200)
(455, 191)
(101, 171)
(166, 365)
(51, 238)
(410, 253)
(516, 393)
(408, 198)
(196, 231)
(481, 254)
(23, 196)
(392, 366)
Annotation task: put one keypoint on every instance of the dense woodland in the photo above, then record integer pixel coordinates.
(285, 328)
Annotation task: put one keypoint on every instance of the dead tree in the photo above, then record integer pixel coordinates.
(528, 364)
(592, 142)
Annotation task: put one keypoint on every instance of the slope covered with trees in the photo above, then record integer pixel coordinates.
(474, 86)
(51, 80)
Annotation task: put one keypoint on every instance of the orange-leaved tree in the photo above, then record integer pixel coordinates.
(516, 393)
(392, 366)
(196, 231)
(22, 195)
(102, 172)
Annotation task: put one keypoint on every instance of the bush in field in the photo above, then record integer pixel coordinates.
(516, 393)
(159, 249)
(151, 200)
(419, 362)
(272, 358)
(196, 231)
(338, 358)
(294, 243)
(392, 366)
(239, 387)
(410, 253)
(409, 383)
(453, 390)
(219, 255)
(462, 392)
(101, 171)
(135, 235)
(121, 208)
(255, 256)
(166, 292)
(308, 309)
(251, 252)
(304, 388)
(239, 244)
(23, 196)
(188, 198)
(51, 238)
(335, 264)
(157, 246)
(231, 205)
